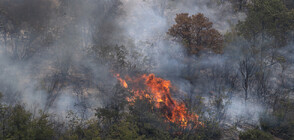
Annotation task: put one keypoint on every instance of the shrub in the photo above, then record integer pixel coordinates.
(255, 134)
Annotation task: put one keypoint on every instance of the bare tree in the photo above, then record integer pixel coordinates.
(247, 69)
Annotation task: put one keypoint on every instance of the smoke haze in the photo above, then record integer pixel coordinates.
(57, 70)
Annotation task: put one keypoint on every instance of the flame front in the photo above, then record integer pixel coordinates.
(158, 90)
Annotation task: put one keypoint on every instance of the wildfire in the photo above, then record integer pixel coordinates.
(158, 90)
(122, 81)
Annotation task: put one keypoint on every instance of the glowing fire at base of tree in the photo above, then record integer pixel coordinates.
(157, 90)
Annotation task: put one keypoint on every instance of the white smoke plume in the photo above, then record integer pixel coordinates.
(139, 25)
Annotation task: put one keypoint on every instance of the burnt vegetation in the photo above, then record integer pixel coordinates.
(69, 69)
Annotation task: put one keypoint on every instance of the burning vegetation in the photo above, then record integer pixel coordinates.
(158, 90)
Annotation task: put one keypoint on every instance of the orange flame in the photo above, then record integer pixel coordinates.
(122, 81)
(159, 92)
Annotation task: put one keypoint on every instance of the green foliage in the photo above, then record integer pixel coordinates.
(211, 130)
(149, 121)
(89, 132)
(239, 5)
(42, 127)
(124, 130)
(280, 124)
(255, 134)
(267, 18)
(77, 129)
(289, 4)
(144, 121)
(17, 123)
(92, 131)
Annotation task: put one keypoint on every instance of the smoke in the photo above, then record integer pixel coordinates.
(248, 112)
(17, 81)
(58, 74)
(146, 24)
(63, 73)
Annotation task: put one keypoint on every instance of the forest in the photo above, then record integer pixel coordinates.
(147, 69)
